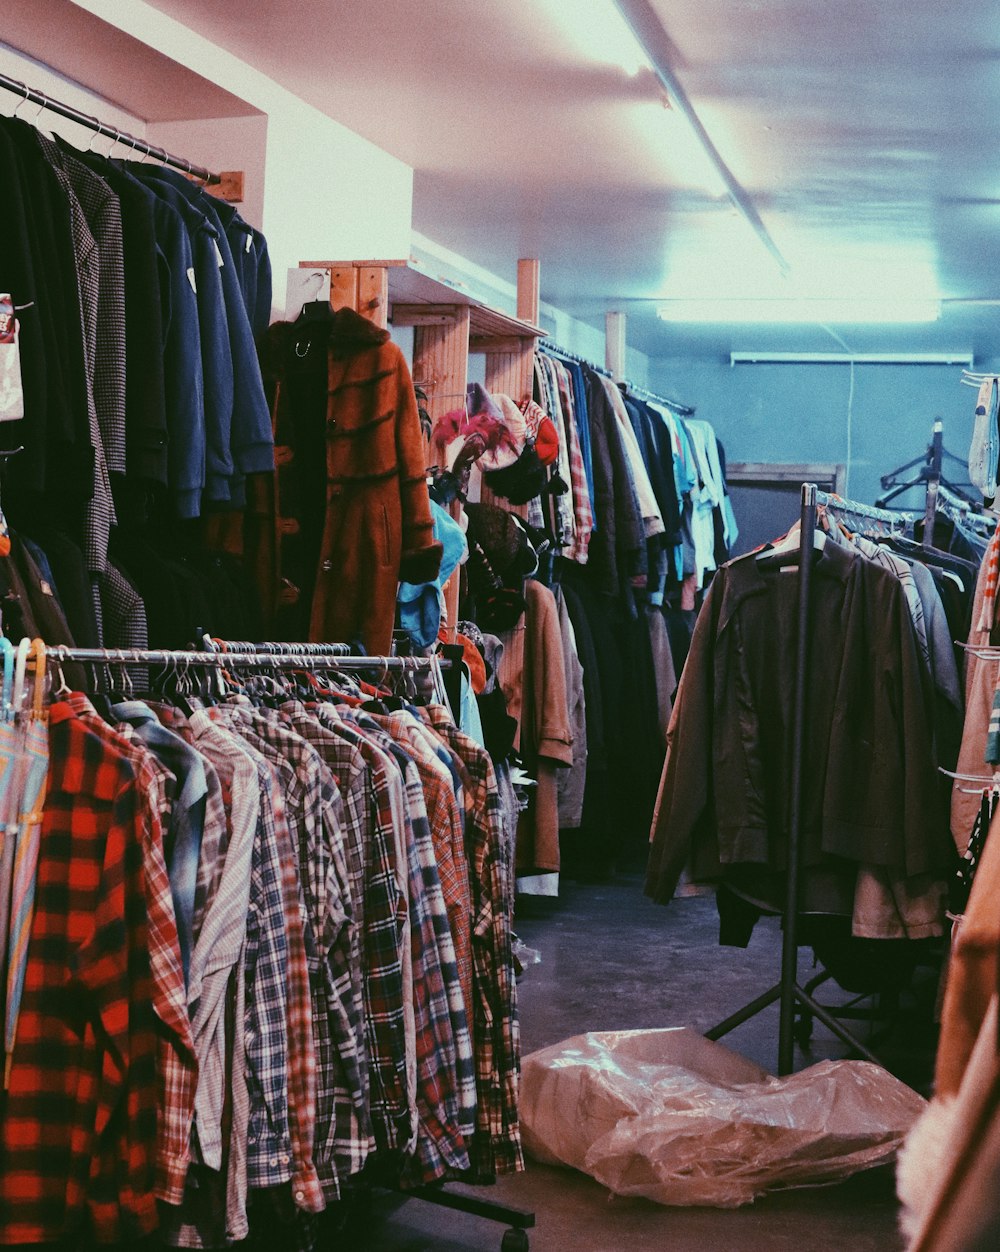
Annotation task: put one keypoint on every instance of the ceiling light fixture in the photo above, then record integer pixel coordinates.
(788, 312)
(852, 358)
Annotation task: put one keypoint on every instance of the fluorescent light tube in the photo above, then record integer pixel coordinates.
(852, 358)
(797, 312)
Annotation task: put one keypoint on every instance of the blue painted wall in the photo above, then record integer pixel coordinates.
(797, 413)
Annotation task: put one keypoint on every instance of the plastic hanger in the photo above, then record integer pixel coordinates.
(789, 547)
(316, 310)
(7, 648)
(20, 666)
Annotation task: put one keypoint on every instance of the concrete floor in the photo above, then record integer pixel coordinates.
(613, 960)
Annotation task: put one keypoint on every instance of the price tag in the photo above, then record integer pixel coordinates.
(11, 389)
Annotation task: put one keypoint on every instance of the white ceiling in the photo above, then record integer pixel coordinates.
(128, 73)
(863, 133)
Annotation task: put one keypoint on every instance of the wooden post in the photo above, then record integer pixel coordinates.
(614, 345)
(528, 273)
(441, 368)
(373, 294)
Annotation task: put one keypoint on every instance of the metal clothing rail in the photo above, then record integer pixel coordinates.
(788, 992)
(553, 349)
(838, 504)
(32, 96)
(675, 406)
(179, 658)
(291, 656)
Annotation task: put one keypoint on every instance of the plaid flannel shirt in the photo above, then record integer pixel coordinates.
(440, 1147)
(991, 565)
(215, 827)
(177, 1063)
(496, 1032)
(316, 821)
(301, 1063)
(391, 1099)
(582, 509)
(265, 970)
(451, 908)
(82, 1093)
(216, 976)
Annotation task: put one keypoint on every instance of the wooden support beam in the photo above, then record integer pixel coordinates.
(493, 343)
(441, 368)
(373, 294)
(528, 289)
(229, 188)
(441, 361)
(614, 345)
(424, 314)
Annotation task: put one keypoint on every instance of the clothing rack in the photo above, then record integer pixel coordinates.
(284, 656)
(31, 96)
(675, 406)
(319, 657)
(273, 656)
(553, 349)
(837, 504)
(931, 475)
(788, 992)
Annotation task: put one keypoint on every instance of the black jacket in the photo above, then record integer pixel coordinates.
(870, 783)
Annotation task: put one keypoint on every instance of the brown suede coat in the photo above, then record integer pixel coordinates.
(343, 539)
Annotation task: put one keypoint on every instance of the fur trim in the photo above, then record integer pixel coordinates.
(351, 333)
(346, 333)
(918, 1171)
(421, 566)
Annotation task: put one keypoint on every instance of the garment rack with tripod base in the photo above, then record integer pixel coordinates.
(788, 992)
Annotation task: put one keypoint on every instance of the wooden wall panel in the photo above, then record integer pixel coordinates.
(441, 368)
(511, 372)
(441, 362)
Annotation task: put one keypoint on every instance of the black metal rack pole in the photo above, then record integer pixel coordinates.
(790, 939)
(32, 96)
(787, 992)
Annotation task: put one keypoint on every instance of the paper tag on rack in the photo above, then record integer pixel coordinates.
(192, 280)
(11, 389)
(218, 254)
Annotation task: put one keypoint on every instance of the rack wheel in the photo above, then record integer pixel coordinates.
(515, 1240)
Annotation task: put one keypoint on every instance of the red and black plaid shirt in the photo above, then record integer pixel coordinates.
(79, 1121)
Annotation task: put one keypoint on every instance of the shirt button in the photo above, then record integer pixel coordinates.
(274, 1161)
(300, 1196)
(284, 1160)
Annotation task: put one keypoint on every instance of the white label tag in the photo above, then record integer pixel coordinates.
(191, 280)
(249, 243)
(218, 253)
(11, 389)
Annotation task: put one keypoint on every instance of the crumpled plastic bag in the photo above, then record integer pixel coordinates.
(676, 1118)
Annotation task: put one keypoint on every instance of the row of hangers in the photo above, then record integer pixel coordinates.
(16, 661)
(142, 147)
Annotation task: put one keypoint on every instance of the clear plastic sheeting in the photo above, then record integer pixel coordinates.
(675, 1118)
